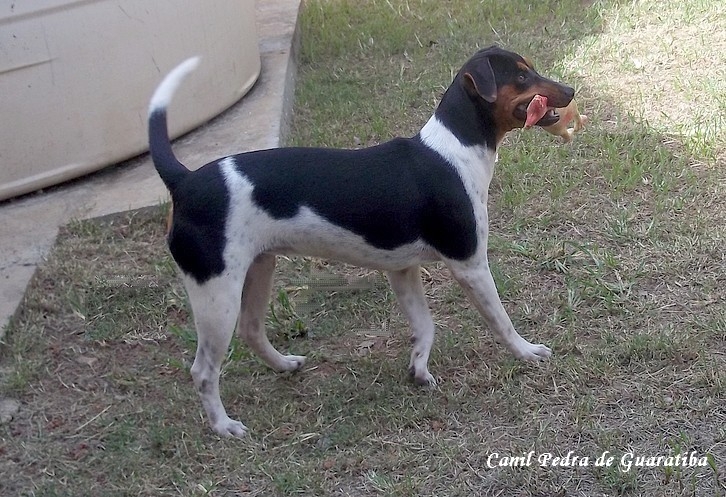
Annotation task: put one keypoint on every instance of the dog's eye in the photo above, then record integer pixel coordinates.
(522, 77)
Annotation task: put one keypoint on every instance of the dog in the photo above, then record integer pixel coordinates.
(391, 207)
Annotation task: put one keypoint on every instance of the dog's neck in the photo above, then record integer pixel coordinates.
(472, 122)
(473, 161)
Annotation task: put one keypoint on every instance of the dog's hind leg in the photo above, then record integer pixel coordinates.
(476, 279)
(406, 284)
(215, 305)
(251, 326)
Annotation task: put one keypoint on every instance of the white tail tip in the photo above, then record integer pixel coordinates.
(165, 91)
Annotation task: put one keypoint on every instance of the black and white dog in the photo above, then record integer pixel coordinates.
(392, 207)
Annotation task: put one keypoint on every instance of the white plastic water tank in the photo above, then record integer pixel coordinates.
(76, 77)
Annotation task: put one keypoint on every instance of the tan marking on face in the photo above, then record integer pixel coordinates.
(507, 99)
(523, 66)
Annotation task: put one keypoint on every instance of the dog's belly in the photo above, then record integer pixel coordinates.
(363, 255)
(309, 234)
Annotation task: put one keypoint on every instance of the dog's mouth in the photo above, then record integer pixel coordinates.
(536, 112)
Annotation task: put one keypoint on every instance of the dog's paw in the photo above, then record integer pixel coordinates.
(229, 428)
(422, 379)
(292, 363)
(533, 353)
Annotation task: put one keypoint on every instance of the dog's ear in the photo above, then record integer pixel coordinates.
(479, 80)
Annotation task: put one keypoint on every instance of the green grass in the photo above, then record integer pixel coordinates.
(609, 249)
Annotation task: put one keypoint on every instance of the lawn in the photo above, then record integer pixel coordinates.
(608, 249)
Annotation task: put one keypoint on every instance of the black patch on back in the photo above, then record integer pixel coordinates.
(391, 195)
(197, 237)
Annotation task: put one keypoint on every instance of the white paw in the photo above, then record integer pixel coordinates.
(422, 379)
(534, 353)
(292, 363)
(229, 428)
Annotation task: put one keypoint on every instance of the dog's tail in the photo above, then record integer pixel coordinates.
(167, 165)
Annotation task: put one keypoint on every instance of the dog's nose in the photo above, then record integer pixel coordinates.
(569, 92)
(563, 96)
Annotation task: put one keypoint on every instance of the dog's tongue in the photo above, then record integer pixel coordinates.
(536, 110)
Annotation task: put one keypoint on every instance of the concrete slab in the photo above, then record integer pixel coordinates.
(29, 225)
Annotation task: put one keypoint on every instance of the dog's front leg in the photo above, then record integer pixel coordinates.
(406, 284)
(476, 279)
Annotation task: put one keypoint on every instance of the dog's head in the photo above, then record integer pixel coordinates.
(504, 83)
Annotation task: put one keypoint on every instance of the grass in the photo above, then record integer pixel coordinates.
(610, 250)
